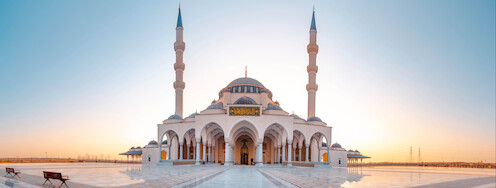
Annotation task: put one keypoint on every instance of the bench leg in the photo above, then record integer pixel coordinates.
(17, 175)
(7, 174)
(46, 181)
(63, 182)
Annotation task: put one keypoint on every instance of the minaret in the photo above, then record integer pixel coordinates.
(179, 66)
(312, 67)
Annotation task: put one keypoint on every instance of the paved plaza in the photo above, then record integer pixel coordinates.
(137, 175)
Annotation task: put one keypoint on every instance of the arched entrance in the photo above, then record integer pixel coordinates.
(244, 142)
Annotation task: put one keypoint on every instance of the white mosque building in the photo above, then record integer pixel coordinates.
(245, 125)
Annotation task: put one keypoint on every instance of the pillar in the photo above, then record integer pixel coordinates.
(318, 158)
(328, 156)
(260, 154)
(181, 151)
(278, 154)
(227, 160)
(209, 154)
(197, 151)
(275, 155)
(306, 152)
(283, 152)
(299, 154)
(289, 152)
(204, 153)
(213, 154)
(187, 150)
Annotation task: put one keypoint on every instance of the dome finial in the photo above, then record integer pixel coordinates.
(246, 71)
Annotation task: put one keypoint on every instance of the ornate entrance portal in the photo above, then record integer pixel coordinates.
(244, 153)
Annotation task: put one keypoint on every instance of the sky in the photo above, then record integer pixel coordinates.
(95, 77)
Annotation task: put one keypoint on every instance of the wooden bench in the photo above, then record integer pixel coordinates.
(11, 171)
(55, 176)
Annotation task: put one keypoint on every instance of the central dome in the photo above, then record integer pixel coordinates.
(245, 81)
(245, 85)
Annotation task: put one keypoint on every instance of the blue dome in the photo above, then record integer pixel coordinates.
(336, 145)
(314, 119)
(175, 117)
(273, 107)
(324, 144)
(245, 100)
(138, 147)
(164, 142)
(214, 106)
(153, 142)
(245, 85)
(296, 116)
(193, 115)
(245, 81)
(133, 147)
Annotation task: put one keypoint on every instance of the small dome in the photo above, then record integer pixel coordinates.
(153, 142)
(336, 145)
(324, 144)
(350, 150)
(356, 150)
(164, 142)
(175, 117)
(314, 119)
(245, 100)
(138, 147)
(273, 107)
(296, 116)
(193, 115)
(245, 81)
(133, 147)
(214, 106)
(276, 103)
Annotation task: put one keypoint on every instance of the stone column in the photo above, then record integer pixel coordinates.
(197, 151)
(204, 153)
(213, 154)
(283, 152)
(187, 150)
(318, 159)
(275, 155)
(181, 144)
(170, 151)
(227, 160)
(209, 154)
(306, 152)
(160, 152)
(278, 154)
(289, 151)
(328, 156)
(299, 154)
(260, 154)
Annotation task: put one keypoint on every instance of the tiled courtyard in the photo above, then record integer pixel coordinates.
(136, 175)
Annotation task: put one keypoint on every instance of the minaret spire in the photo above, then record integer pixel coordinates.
(179, 66)
(312, 67)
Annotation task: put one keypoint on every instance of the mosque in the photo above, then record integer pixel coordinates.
(245, 125)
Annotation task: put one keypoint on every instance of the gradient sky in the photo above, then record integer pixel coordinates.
(95, 77)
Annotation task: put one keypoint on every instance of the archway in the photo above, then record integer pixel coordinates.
(212, 143)
(243, 134)
(170, 144)
(274, 139)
